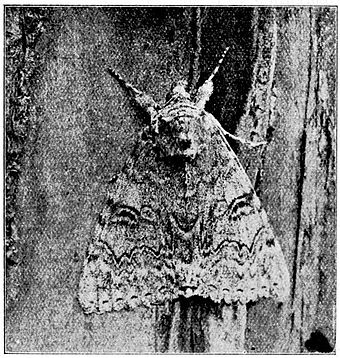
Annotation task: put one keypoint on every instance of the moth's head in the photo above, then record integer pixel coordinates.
(180, 137)
(179, 127)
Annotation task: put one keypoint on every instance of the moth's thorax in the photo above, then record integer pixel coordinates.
(181, 128)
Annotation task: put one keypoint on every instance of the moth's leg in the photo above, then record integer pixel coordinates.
(215, 123)
(145, 101)
(227, 330)
(244, 141)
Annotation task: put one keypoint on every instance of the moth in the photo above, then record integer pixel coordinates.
(182, 218)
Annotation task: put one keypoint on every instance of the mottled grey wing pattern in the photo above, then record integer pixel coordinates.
(182, 225)
(125, 265)
(244, 261)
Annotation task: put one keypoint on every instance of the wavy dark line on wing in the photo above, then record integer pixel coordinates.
(239, 244)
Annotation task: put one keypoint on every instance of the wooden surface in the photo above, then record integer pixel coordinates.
(85, 127)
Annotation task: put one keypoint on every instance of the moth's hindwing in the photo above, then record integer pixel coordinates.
(186, 227)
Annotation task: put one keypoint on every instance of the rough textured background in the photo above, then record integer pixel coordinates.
(84, 129)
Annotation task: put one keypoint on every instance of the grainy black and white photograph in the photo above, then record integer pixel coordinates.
(170, 180)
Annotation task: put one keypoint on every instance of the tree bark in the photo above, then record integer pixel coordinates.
(295, 178)
(277, 83)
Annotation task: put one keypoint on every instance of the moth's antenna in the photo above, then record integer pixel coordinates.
(144, 100)
(206, 90)
(126, 85)
(218, 65)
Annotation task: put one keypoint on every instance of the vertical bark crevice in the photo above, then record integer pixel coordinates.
(24, 28)
(299, 209)
(257, 121)
(197, 16)
(312, 198)
(296, 304)
(270, 106)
